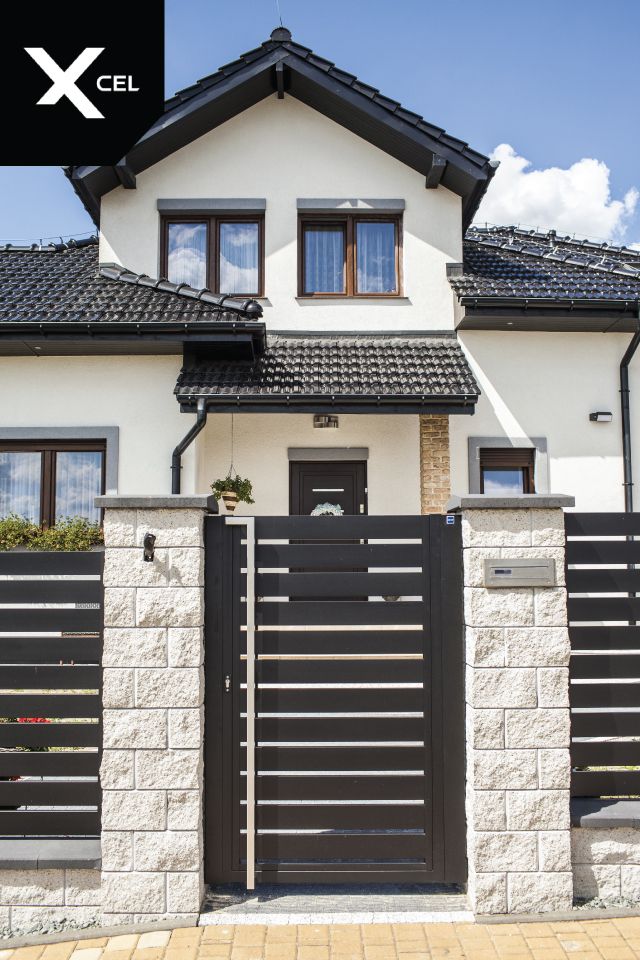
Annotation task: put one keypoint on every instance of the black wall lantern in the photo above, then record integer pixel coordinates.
(149, 544)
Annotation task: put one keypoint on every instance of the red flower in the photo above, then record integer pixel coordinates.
(33, 720)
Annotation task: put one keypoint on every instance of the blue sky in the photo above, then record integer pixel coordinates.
(555, 79)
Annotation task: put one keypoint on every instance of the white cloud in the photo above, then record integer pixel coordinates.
(574, 200)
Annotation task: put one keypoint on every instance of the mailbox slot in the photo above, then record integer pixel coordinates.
(519, 572)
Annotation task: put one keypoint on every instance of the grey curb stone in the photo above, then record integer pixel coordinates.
(525, 501)
(604, 814)
(174, 502)
(57, 853)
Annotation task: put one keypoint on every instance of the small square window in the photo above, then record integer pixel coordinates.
(224, 254)
(349, 256)
(507, 471)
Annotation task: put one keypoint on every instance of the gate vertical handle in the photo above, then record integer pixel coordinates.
(249, 523)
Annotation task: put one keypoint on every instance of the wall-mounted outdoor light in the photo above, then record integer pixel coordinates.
(149, 543)
(601, 416)
(322, 421)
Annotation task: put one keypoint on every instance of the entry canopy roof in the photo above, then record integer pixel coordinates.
(336, 374)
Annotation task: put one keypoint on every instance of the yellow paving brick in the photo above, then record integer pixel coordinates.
(415, 955)
(313, 951)
(281, 933)
(617, 953)
(345, 933)
(379, 951)
(118, 955)
(375, 934)
(185, 934)
(181, 952)
(408, 931)
(605, 928)
(218, 933)
(126, 941)
(154, 938)
(280, 951)
(211, 949)
(151, 953)
(56, 951)
(247, 952)
(250, 935)
(86, 953)
(313, 934)
(27, 953)
(5, 954)
(346, 951)
(411, 946)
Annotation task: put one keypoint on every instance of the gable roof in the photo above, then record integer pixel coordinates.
(63, 284)
(292, 69)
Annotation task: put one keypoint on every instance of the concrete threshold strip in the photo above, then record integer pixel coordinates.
(94, 933)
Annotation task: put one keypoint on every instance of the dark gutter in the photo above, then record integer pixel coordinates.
(545, 303)
(176, 457)
(627, 465)
(326, 404)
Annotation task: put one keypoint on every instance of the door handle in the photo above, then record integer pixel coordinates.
(227, 683)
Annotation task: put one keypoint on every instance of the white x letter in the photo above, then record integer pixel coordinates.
(64, 81)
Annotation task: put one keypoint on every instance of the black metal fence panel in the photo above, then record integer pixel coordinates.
(50, 696)
(604, 608)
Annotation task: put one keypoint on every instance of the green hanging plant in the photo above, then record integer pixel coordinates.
(233, 484)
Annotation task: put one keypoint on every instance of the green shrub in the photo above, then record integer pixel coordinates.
(70, 533)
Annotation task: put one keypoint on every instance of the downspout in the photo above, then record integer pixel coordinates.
(626, 417)
(176, 457)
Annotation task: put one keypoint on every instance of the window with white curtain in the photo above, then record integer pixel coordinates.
(223, 254)
(350, 256)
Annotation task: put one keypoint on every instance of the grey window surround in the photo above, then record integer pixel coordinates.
(322, 205)
(110, 435)
(328, 453)
(541, 466)
(214, 205)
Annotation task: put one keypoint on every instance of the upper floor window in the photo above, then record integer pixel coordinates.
(507, 471)
(349, 256)
(46, 482)
(225, 254)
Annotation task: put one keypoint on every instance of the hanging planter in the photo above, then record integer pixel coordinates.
(232, 490)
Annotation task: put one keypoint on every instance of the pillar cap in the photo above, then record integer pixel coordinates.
(175, 502)
(524, 501)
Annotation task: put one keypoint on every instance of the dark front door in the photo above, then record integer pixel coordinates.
(341, 484)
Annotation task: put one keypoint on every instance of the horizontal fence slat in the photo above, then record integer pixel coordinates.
(328, 846)
(43, 823)
(340, 788)
(58, 764)
(601, 524)
(605, 638)
(343, 612)
(603, 581)
(50, 649)
(49, 620)
(346, 642)
(48, 563)
(50, 734)
(341, 584)
(605, 694)
(605, 754)
(50, 591)
(314, 817)
(45, 793)
(66, 677)
(605, 783)
(50, 705)
(329, 701)
(603, 551)
(601, 667)
(337, 758)
(339, 729)
(339, 528)
(337, 671)
(332, 556)
(603, 608)
(603, 724)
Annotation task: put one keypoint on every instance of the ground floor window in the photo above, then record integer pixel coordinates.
(45, 482)
(507, 471)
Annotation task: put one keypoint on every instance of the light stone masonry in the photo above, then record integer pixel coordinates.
(518, 771)
(606, 862)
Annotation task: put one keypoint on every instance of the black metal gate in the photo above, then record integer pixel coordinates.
(334, 729)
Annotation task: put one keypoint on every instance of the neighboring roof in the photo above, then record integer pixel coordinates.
(507, 262)
(292, 69)
(64, 284)
(338, 372)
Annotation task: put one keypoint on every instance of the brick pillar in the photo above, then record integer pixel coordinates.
(517, 701)
(153, 692)
(435, 473)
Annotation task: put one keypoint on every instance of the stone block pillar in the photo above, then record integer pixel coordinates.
(517, 702)
(435, 470)
(153, 694)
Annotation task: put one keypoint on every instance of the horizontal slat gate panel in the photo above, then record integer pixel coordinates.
(603, 551)
(603, 581)
(601, 524)
(50, 591)
(44, 650)
(336, 758)
(400, 787)
(363, 527)
(597, 667)
(605, 638)
(50, 677)
(328, 846)
(51, 563)
(344, 612)
(341, 584)
(603, 608)
(331, 701)
(51, 619)
(50, 705)
(50, 735)
(58, 764)
(339, 729)
(605, 754)
(340, 817)
(335, 555)
(605, 725)
(605, 783)
(337, 671)
(605, 694)
(294, 642)
(41, 793)
(42, 823)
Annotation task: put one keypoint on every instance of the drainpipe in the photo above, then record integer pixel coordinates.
(176, 457)
(626, 418)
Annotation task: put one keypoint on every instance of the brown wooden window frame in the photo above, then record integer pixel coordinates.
(510, 458)
(213, 224)
(49, 450)
(348, 223)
